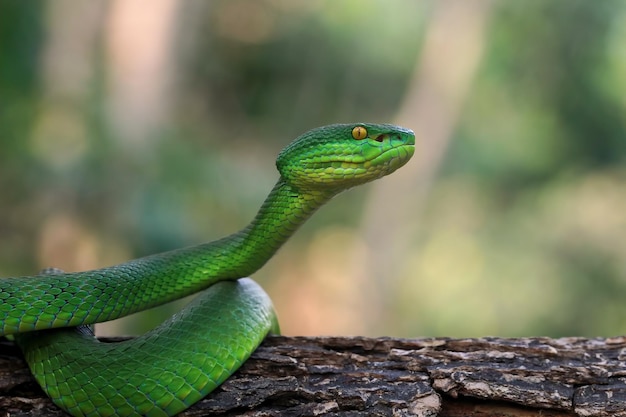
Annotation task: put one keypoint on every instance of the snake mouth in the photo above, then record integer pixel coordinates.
(363, 170)
(400, 153)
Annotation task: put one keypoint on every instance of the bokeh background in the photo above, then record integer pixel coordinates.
(130, 127)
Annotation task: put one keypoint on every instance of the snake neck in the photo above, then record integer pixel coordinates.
(284, 210)
(154, 280)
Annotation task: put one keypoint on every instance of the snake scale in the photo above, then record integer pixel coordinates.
(176, 364)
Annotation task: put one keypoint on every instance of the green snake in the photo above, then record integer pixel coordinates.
(171, 367)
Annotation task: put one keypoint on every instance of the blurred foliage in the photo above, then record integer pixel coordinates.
(523, 232)
(527, 217)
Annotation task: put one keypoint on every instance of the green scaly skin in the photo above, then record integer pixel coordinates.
(168, 369)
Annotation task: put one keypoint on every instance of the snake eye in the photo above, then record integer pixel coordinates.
(359, 133)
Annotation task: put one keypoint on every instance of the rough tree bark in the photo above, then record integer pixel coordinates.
(394, 377)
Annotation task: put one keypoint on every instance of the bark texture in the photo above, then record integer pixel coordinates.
(358, 376)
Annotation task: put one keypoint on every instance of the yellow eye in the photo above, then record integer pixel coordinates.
(359, 133)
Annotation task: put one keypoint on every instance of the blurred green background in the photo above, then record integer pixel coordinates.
(127, 129)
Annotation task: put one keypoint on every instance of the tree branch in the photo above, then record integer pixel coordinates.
(358, 376)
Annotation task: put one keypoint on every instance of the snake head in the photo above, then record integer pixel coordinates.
(340, 156)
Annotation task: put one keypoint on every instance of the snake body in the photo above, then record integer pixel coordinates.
(166, 370)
